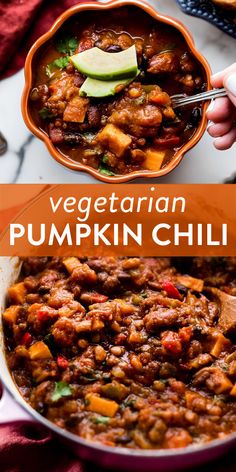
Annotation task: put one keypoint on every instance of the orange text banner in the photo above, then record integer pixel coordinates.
(97, 220)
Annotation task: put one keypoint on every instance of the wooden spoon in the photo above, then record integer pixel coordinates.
(227, 318)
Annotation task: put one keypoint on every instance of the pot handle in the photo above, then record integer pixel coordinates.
(11, 410)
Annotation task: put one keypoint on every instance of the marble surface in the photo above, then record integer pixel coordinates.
(28, 161)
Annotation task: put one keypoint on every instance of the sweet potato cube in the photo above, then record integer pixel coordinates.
(191, 282)
(84, 326)
(154, 159)
(221, 342)
(219, 382)
(21, 351)
(39, 350)
(71, 263)
(76, 110)
(58, 88)
(113, 138)
(233, 391)
(10, 314)
(115, 391)
(101, 405)
(40, 374)
(17, 293)
(97, 324)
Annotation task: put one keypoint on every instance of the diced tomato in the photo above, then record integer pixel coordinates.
(185, 334)
(62, 362)
(45, 313)
(26, 339)
(168, 142)
(97, 298)
(171, 290)
(93, 297)
(171, 342)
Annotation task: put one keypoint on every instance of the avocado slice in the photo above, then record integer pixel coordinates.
(102, 65)
(101, 88)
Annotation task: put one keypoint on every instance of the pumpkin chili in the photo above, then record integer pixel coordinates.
(124, 351)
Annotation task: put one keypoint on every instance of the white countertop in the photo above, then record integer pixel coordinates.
(28, 161)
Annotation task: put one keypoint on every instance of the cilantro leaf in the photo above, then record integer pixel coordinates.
(103, 170)
(67, 45)
(60, 63)
(62, 389)
(101, 420)
(105, 159)
(73, 44)
(50, 341)
(45, 113)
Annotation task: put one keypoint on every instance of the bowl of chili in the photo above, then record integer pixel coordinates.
(120, 126)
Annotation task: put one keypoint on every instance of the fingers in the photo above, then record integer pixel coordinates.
(226, 141)
(220, 110)
(230, 85)
(222, 113)
(227, 79)
(217, 80)
(220, 129)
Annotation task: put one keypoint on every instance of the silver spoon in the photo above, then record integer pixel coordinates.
(182, 100)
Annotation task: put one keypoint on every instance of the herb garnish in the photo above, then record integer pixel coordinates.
(101, 420)
(62, 389)
(45, 113)
(103, 170)
(60, 63)
(105, 159)
(67, 45)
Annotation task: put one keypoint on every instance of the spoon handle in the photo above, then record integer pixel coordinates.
(178, 101)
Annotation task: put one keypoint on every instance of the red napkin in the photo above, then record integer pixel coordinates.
(30, 448)
(21, 23)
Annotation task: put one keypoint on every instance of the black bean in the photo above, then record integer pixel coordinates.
(41, 408)
(97, 44)
(142, 75)
(124, 276)
(72, 138)
(144, 62)
(74, 420)
(43, 289)
(94, 116)
(114, 48)
(196, 115)
(106, 377)
(182, 289)
(123, 439)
